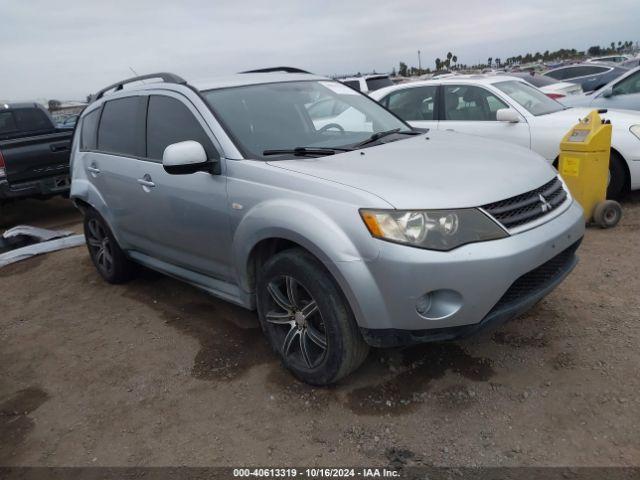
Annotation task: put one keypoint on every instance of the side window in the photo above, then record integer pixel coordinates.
(353, 84)
(89, 137)
(470, 103)
(32, 120)
(122, 127)
(170, 121)
(629, 85)
(7, 122)
(417, 103)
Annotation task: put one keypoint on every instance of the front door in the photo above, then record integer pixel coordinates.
(187, 220)
(471, 109)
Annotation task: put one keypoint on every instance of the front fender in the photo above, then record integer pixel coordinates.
(334, 245)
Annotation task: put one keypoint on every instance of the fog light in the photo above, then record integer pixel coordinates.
(438, 304)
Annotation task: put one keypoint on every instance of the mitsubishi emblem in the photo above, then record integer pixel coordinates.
(546, 206)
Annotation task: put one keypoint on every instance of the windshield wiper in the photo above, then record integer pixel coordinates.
(378, 135)
(302, 151)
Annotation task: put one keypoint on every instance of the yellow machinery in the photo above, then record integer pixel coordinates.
(584, 166)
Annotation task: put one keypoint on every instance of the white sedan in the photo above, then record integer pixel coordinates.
(511, 110)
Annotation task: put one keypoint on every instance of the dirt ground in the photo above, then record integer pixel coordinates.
(158, 373)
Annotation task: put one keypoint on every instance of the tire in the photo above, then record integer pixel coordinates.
(307, 320)
(107, 256)
(617, 177)
(607, 214)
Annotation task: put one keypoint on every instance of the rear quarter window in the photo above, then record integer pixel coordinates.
(89, 137)
(121, 128)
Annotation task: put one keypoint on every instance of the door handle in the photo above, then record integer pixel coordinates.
(59, 148)
(146, 182)
(93, 170)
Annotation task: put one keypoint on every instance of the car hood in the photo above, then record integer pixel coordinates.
(569, 117)
(436, 170)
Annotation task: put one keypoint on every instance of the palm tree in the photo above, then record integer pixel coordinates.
(489, 61)
(438, 64)
(454, 59)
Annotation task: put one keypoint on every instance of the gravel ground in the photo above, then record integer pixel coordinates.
(158, 373)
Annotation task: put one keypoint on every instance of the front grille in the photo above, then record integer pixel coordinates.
(527, 207)
(538, 278)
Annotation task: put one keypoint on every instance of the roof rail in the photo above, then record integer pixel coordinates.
(277, 69)
(166, 77)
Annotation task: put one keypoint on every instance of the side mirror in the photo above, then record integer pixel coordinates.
(507, 115)
(607, 92)
(183, 158)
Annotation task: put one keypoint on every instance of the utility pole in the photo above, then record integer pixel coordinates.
(419, 63)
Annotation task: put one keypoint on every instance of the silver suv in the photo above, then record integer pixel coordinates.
(301, 198)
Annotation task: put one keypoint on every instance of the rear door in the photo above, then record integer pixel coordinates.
(416, 105)
(472, 109)
(116, 164)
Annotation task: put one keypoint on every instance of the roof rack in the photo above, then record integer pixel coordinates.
(166, 77)
(277, 69)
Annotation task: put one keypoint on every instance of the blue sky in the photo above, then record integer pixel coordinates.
(69, 48)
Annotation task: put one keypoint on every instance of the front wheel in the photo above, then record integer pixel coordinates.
(307, 320)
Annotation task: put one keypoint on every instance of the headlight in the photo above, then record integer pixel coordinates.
(635, 129)
(432, 229)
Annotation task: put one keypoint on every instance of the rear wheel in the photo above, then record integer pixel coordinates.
(307, 320)
(107, 256)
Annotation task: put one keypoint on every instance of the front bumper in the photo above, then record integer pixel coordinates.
(43, 187)
(474, 279)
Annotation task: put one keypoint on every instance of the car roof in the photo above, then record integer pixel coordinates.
(587, 64)
(242, 79)
(470, 79)
(20, 105)
(478, 79)
(366, 77)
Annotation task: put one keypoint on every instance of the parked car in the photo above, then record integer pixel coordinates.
(590, 76)
(367, 83)
(34, 154)
(552, 88)
(67, 122)
(621, 93)
(340, 237)
(609, 59)
(509, 109)
(631, 63)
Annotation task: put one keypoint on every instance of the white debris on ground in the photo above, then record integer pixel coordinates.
(45, 241)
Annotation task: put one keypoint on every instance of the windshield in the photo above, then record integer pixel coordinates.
(286, 115)
(536, 102)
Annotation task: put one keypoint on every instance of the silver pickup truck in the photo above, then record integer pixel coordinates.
(303, 199)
